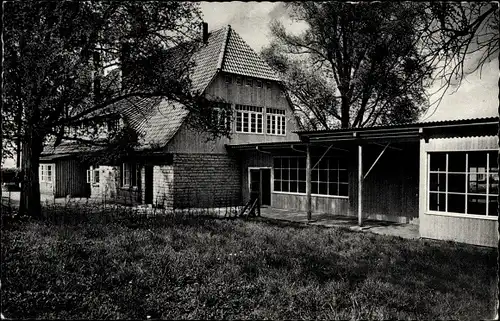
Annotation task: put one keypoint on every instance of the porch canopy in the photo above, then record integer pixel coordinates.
(385, 136)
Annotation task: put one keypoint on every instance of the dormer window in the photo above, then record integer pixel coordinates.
(249, 82)
(258, 83)
(239, 81)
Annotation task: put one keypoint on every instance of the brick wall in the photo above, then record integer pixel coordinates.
(206, 180)
(163, 180)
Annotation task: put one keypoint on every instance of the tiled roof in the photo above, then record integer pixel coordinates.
(226, 51)
(240, 59)
(164, 122)
(207, 58)
(158, 120)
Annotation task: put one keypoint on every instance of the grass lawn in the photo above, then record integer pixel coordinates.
(204, 268)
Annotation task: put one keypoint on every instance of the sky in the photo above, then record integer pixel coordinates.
(476, 97)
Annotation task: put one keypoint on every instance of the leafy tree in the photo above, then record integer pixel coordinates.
(365, 64)
(57, 61)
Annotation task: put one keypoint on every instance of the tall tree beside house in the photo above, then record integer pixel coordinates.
(363, 64)
(58, 53)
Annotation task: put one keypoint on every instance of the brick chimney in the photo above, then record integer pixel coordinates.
(204, 28)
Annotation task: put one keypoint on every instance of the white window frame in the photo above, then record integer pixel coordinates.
(91, 176)
(446, 172)
(303, 181)
(275, 121)
(128, 168)
(252, 114)
(44, 170)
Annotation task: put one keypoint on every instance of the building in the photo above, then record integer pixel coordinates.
(442, 176)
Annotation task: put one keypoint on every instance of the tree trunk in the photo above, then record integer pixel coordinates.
(345, 117)
(30, 186)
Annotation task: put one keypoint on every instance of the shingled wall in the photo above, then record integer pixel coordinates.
(206, 180)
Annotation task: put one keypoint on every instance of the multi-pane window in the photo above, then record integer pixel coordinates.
(258, 83)
(463, 182)
(221, 115)
(228, 79)
(46, 173)
(129, 174)
(275, 121)
(249, 119)
(239, 81)
(328, 177)
(249, 82)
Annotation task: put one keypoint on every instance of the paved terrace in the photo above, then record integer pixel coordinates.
(408, 231)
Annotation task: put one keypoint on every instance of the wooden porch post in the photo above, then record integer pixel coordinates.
(360, 185)
(308, 183)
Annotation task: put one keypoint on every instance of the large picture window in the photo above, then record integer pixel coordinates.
(463, 182)
(46, 173)
(249, 119)
(275, 121)
(329, 177)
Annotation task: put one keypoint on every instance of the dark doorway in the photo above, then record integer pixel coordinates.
(148, 184)
(260, 185)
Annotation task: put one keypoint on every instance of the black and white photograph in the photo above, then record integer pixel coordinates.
(170, 160)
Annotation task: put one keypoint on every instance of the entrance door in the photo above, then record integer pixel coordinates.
(260, 185)
(148, 184)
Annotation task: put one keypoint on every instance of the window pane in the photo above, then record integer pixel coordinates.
(293, 174)
(245, 122)
(259, 123)
(238, 122)
(314, 188)
(343, 190)
(333, 176)
(268, 124)
(323, 175)
(277, 185)
(277, 173)
(285, 162)
(253, 123)
(285, 174)
(293, 186)
(477, 183)
(314, 175)
(277, 162)
(438, 162)
(456, 203)
(302, 174)
(302, 187)
(323, 189)
(476, 205)
(437, 202)
(493, 206)
(283, 128)
(456, 183)
(343, 177)
(456, 162)
(333, 189)
(284, 186)
(477, 162)
(493, 162)
(293, 163)
(437, 182)
(493, 184)
(302, 162)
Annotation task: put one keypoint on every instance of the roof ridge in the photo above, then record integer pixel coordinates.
(222, 53)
